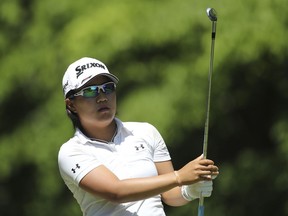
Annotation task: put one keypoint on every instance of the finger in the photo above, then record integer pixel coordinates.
(210, 168)
(214, 174)
(206, 162)
(205, 186)
(207, 176)
(201, 157)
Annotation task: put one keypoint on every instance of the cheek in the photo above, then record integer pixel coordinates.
(89, 108)
(83, 107)
(114, 100)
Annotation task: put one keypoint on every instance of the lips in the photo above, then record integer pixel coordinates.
(103, 108)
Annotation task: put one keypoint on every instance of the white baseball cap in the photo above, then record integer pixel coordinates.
(81, 71)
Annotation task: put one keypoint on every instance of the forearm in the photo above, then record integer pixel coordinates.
(108, 186)
(102, 182)
(142, 188)
(174, 197)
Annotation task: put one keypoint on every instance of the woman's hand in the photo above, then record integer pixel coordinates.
(197, 170)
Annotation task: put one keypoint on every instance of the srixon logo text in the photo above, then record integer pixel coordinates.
(82, 68)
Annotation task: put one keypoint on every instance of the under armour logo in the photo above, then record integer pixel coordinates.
(139, 147)
(74, 169)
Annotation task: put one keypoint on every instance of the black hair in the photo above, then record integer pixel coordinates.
(74, 118)
(72, 115)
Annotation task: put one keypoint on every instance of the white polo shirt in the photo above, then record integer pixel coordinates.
(136, 147)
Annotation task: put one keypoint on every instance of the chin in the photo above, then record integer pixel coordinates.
(106, 119)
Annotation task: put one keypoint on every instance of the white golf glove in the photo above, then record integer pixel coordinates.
(193, 191)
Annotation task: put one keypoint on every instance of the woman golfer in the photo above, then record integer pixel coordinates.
(120, 168)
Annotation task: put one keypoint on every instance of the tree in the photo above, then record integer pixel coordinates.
(160, 51)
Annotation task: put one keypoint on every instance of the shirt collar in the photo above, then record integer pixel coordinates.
(84, 139)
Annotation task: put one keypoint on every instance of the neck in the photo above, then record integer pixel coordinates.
(105, 133)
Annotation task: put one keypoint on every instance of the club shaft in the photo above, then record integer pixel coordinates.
(206, 129)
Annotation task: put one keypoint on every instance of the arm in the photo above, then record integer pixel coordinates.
(102, 182)
(172, 197)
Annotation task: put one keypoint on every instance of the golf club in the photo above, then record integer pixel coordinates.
(212, 15)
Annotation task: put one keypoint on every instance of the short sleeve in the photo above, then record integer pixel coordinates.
(74, 163)
(161, 152)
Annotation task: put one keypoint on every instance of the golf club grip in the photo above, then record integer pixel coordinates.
(201, 206)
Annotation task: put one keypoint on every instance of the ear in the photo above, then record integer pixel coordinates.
(70, 105)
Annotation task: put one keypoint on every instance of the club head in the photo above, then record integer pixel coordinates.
(212, 14)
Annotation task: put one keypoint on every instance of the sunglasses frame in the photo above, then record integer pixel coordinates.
(98, 88)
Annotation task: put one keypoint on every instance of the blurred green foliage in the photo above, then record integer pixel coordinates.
(160, 51)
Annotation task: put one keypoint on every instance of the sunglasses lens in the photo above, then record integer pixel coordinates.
(94, 91)
(109, 88)
(90, 92)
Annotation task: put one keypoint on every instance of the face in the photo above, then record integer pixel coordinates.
(97, 111)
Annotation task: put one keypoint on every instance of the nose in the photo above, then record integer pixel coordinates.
(101, 97)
